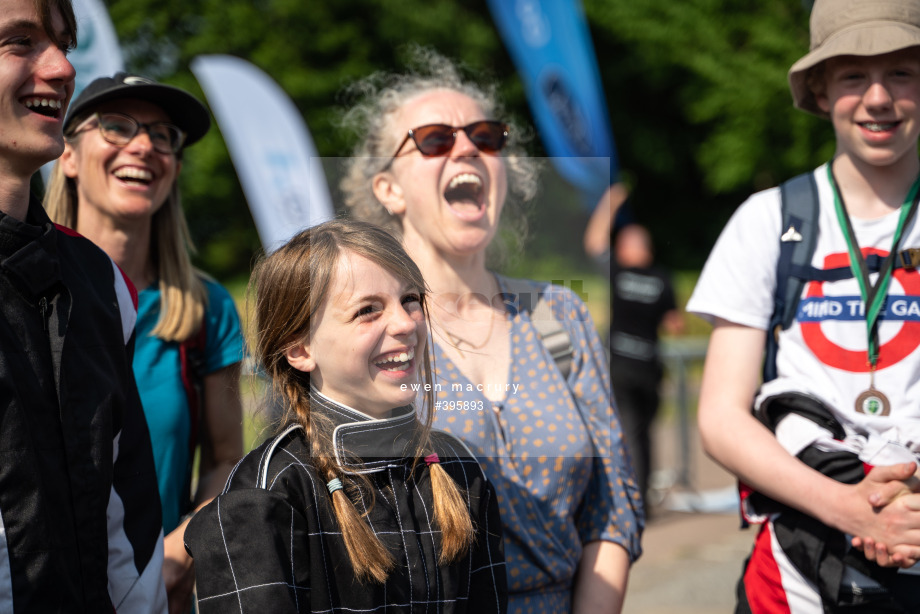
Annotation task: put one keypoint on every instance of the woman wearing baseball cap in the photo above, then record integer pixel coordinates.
(831, 446)
(117, 184)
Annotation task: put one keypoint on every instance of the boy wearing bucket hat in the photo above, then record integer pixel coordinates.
(831, 446)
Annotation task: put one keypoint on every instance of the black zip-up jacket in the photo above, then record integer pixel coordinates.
(271, 541)
(78, 499)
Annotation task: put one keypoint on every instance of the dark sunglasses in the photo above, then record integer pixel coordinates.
(120, 129)
(488, 136)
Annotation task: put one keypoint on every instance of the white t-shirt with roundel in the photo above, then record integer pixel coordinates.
(824, 352)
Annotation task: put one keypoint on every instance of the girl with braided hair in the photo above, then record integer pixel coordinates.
(356, 505)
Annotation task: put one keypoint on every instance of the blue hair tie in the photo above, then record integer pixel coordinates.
(334, 484)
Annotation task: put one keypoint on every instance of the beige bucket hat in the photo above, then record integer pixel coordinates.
(853, 27)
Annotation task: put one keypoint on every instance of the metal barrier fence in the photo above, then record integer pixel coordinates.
(678, 354)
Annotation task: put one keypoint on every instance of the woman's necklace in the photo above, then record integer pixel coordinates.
(455, 341)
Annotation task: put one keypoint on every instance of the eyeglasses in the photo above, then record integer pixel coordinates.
(120, 129)
(488, 136)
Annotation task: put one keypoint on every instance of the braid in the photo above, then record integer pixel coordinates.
(452, 515)
(293, 391)
(370, 559)
(450, 510)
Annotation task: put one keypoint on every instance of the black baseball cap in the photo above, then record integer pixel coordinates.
(183, 109)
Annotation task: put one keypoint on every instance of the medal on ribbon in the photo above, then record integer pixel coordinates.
(872, 402)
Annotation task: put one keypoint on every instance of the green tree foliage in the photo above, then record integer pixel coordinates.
(698, 100)
(313, 49)
(701, 109)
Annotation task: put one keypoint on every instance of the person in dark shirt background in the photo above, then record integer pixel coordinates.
(642, 302)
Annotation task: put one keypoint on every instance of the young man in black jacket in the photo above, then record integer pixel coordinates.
(79, 510)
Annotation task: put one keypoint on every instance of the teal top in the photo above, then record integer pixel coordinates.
(158, 372)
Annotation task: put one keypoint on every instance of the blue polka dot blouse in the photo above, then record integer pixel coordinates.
(552, 449)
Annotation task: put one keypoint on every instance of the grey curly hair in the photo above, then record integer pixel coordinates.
(380, 95)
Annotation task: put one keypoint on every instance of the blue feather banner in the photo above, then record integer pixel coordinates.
(549, 42)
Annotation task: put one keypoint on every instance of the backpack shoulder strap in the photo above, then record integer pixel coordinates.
(192, 358)
(799, 198)
(552, 334)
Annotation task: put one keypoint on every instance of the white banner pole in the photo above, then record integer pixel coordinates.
(270, 145)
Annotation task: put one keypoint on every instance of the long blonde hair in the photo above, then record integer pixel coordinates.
(290, 287)
(183, 296)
